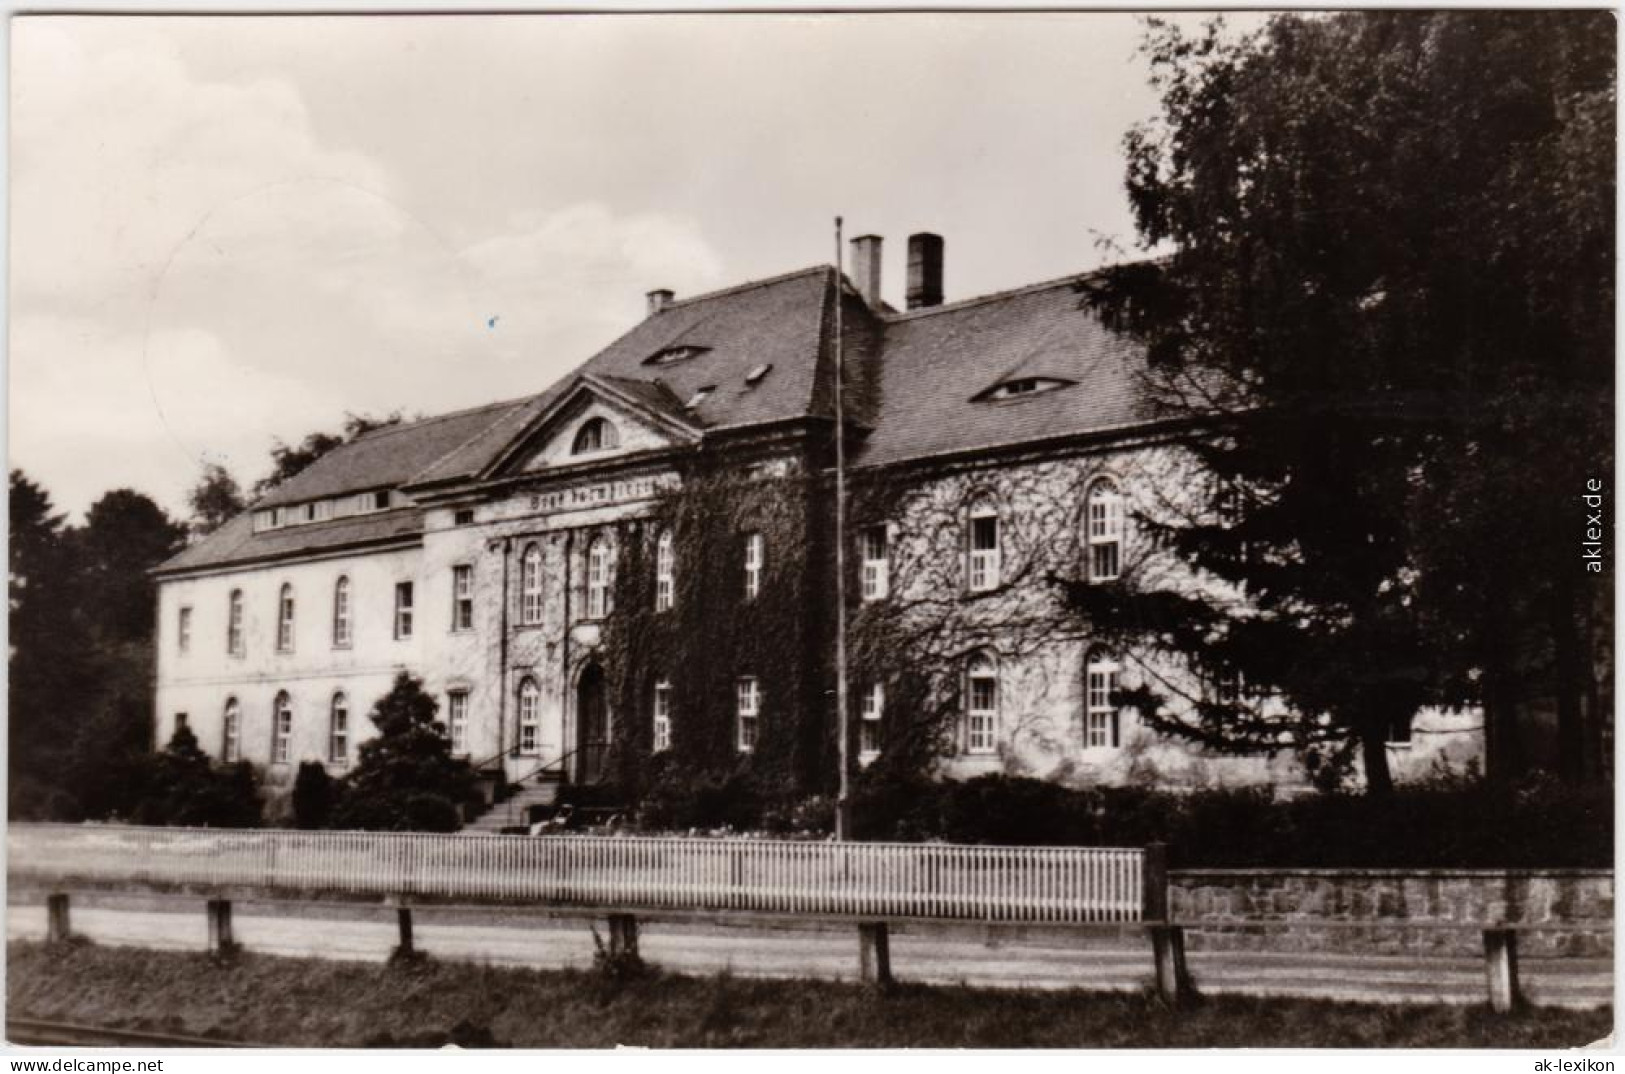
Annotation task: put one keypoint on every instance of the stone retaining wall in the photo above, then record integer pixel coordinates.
(1569, 912)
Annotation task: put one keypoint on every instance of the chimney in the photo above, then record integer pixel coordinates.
(866, 268)
(924, 270)
(659, 300)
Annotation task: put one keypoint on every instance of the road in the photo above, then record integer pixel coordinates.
(926, 954)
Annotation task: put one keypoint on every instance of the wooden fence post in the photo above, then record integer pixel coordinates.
(1154, 884)
(1168, 951)
(220, 939)
(403, 921)
(623, 936)
(1501, 969)
(874, 953)
(56, 917)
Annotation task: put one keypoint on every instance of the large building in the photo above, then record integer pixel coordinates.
(537, 564)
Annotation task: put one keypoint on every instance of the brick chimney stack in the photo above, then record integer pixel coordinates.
(659, 300)
(866, 268)
(924, 270)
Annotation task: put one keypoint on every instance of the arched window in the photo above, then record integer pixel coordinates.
(284, 619)
(281, 728)
(984, 545)
(530, 585)
(341, 612)
(231, 733)
(1100, 682)
(596, 435)
(600, 577)
(234, 624)
(1105, 530)
(530, 716)
(981, 703)
(338, 730)
(665, 571)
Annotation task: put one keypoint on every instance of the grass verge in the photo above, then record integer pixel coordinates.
(316, 1003)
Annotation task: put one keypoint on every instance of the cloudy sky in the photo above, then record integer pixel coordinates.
(230, 230)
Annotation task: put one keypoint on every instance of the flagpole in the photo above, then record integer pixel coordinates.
(843, 799)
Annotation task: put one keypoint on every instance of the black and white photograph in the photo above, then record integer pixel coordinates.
(846, 529)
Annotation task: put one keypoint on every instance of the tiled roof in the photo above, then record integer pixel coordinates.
(390, 456)
(235, 542)
(913, 378)
(935, 361)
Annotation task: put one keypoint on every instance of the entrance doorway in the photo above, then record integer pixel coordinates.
(592, 725)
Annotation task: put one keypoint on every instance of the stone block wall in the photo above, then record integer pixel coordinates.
(1434, 912)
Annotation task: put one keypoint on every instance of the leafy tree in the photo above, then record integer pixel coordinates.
(405, 777)
(181, 786)
(1384, 286)
(125, 536)
(288, 461)
(215, 499)
(313, 793)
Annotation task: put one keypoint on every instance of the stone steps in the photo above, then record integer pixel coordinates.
(514, 811)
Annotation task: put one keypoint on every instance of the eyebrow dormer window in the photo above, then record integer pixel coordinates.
(1021, 387)
(596, 435)
(673, 355)
(700, 395)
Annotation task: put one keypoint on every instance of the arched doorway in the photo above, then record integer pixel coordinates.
(592, 725)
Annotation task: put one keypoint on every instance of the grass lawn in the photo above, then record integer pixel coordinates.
(316, 1003)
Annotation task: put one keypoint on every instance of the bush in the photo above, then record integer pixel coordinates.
(679, 800)
(313, 793)
(405, 778)
(181, 786)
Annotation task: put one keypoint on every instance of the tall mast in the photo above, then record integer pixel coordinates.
(843, 798)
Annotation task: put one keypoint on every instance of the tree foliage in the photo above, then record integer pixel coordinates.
(405, 777)
(214, 500)
(181, 786)
(1385, 284)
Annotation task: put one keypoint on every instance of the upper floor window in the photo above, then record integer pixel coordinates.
(1100, 683)
(231, 730)
(284, 619)
(874, 553)
(662, 716)
(982, 704)
(600, 578)
(338, 730)
(403, 609)
(750, 711)
(1105, 513)
(183, 631)
(665, 571)
(597, 434)
(462, 597)
(234, 624)
(984, 545)
(281, 728)
(341, 612)
(874, 706)
(457, 720)
(530, 716)
(530, 585)
(754, 555)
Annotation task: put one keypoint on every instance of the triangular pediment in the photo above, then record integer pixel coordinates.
(598, 419)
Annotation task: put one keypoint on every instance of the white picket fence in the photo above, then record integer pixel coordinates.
(1041, 885)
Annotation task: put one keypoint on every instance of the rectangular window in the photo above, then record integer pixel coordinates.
(403, 610)
(662, 735)
(1399, 732)
(184, 631)
(665, 572)
(874, 554)
(874, 705)
(465, 517)
(750, 700)
(457, 720)
(753, 565)
(984, 552)
(462, 597)
(1102, 714)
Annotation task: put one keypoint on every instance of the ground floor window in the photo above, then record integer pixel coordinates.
(1101, 682)
(874, 704)
(662, 716)
(231, 749)
(457, 720)
(750, 701)
(982, 707)
(281, 729)
(338, 746)
(530, 717)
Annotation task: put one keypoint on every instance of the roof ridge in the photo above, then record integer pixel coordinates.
(995, 296)
(418, 423)
(746, 286)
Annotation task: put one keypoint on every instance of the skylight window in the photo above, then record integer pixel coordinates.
(672, 355)
(1022, 387)
(700, 396)
(754, 377)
